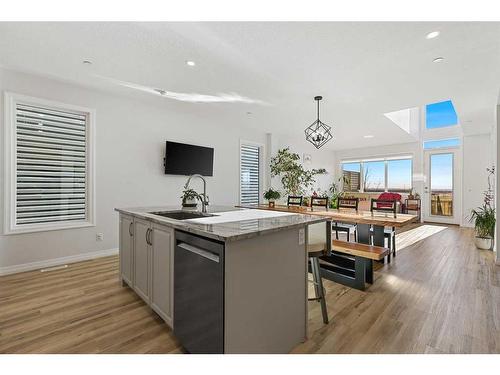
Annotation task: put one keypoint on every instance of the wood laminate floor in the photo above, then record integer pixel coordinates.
(440, 295)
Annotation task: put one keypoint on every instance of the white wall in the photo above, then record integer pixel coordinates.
(496, 142)
(130, 142)
(477, 156)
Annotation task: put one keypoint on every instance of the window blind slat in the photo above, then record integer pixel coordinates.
(51, 176)
(250, 174)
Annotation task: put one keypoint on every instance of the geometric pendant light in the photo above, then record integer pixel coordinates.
(318, 133)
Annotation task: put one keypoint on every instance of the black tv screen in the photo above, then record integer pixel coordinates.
(184, 159)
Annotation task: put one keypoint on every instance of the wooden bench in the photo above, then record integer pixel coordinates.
(360, 249)
(348, 263)
(351, 263)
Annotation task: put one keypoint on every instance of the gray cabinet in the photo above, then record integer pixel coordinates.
(162, 253)
(126, 249)
(141, 282)
(147, 263)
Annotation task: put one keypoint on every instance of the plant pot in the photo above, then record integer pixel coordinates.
(271, 204)
(483, 243)
(189, 203)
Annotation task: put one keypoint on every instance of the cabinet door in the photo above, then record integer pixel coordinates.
(141, 259)
(126, 249)
(162, 253)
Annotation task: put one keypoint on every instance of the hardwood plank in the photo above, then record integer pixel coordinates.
(439, 295)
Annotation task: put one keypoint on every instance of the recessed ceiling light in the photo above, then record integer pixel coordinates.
(432, 35)
(87, 62)
(438, 59)
(368, 136)
(190, 63)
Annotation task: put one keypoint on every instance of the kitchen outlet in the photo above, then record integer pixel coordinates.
(99, 236)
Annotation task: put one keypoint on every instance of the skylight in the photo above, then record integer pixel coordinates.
(440, 115)
(406, 119)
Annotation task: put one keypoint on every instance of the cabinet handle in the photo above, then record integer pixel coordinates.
(150, 237)
(130, 230)
(147, 236)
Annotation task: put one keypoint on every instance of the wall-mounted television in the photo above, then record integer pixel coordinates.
(184, 159)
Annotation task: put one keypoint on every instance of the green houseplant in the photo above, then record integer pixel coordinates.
(189, 197)
(271, 196)
(295, 179)
(335, 190)
(484, 218)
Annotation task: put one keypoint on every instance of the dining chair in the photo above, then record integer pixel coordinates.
(389, 233)
(295, 200)
(319, 202)
(346, 203)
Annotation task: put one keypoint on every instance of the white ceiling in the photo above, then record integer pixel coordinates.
(362, 69)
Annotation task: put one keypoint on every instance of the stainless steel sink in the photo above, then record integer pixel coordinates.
(181, 215)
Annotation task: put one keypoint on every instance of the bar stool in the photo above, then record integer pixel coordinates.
(316, 247)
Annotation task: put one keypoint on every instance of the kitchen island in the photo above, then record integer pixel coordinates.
(231, 280)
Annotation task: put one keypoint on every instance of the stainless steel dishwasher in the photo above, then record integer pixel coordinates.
(199, 293)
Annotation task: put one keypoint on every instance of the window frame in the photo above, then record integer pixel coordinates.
(386, 161)
(261, 147)
(10, 165)
(454, 147)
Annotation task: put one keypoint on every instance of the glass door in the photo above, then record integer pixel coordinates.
(441, 199)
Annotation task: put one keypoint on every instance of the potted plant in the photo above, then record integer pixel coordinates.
(484, 218)
(189, 197)
(295, 179)
(335, 190)
(271, 196)
(484, 226)
(411, 195)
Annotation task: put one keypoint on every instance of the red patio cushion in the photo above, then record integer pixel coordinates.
(391, 197)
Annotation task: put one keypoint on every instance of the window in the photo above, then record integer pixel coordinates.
(399, 175)
(374, 176)
(442, 143)
(440, 115)
(352, 176)
(48, 165)
(250, 173)
(388, 174)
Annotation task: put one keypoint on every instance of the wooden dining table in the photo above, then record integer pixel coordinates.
(368, 223)
(370, 231)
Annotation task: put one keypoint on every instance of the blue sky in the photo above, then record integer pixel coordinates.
(441, 143)
(439, 115)
(441, 171)
(399, 173)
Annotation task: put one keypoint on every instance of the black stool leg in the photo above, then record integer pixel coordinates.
(390, 247)
(320, 290)
(394, 242)
(315, 282)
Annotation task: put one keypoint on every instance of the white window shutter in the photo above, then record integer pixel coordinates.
(249, 174)
(51, 165)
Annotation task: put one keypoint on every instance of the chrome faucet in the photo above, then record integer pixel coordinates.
(204, 200)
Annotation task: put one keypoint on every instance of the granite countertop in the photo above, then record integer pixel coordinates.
(229, 224)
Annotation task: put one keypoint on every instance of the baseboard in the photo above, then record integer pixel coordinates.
(56, 261)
